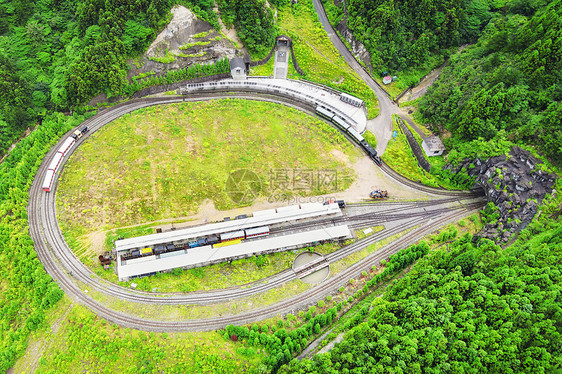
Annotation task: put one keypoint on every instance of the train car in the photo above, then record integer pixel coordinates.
(213, 240)
(202, 242)
(55, 162)
(68, 143)
(135, 253)
(180, 244)
(340, 122)
(146, 252)
(158, 249)
(257, 231)
(48, 181)
(230, 242)
(355, 135)
(233, 235)
(324, 113)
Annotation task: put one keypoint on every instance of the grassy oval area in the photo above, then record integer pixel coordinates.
(163, 162)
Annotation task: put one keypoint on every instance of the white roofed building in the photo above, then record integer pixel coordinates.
(433, 146)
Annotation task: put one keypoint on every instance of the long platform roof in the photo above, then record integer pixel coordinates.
(201, 255)
(283, 214)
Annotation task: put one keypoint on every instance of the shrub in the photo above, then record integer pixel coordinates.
(317, 328)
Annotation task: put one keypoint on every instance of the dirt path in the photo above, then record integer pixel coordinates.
(421, 88)
(24, 135)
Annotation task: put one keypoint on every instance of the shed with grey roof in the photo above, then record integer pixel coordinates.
(238, 68)
(433, 146)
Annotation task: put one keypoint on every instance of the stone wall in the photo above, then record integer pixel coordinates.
(416, 149)
(515, 184)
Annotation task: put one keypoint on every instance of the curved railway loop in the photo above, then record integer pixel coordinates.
(420, 218)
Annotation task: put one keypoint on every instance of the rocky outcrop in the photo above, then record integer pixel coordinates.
(186, 40)
(357, 48)
(516, 185)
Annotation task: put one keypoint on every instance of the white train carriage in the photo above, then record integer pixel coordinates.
(48, 181)
(355, 135)
(68, 143)
(257, 231)
(325, 113)
(55, 162)
(341, 123)
(233, 235)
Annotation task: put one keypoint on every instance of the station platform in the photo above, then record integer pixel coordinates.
(207, 255)
(290, 213)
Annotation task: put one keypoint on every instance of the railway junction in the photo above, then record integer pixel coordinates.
(411, 220)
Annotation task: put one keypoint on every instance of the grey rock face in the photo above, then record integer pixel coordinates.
(188, 40)
(515, 184)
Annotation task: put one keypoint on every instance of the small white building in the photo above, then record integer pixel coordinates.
(238, 68)
(433, 146)
(387, 79)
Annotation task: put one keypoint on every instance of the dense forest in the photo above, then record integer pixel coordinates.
(253, 21)
(465, 308)
(54, 55)
(507, 85)
(400, 33)
(57, 55)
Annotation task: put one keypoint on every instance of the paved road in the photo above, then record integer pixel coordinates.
(382, 125)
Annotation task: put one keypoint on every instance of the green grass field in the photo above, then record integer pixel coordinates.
(83, 342)
(163, 161)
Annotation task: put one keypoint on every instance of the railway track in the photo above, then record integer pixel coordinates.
(420, 187)
(70, 273)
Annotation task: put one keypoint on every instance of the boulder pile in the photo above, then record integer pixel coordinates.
(516, 185)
